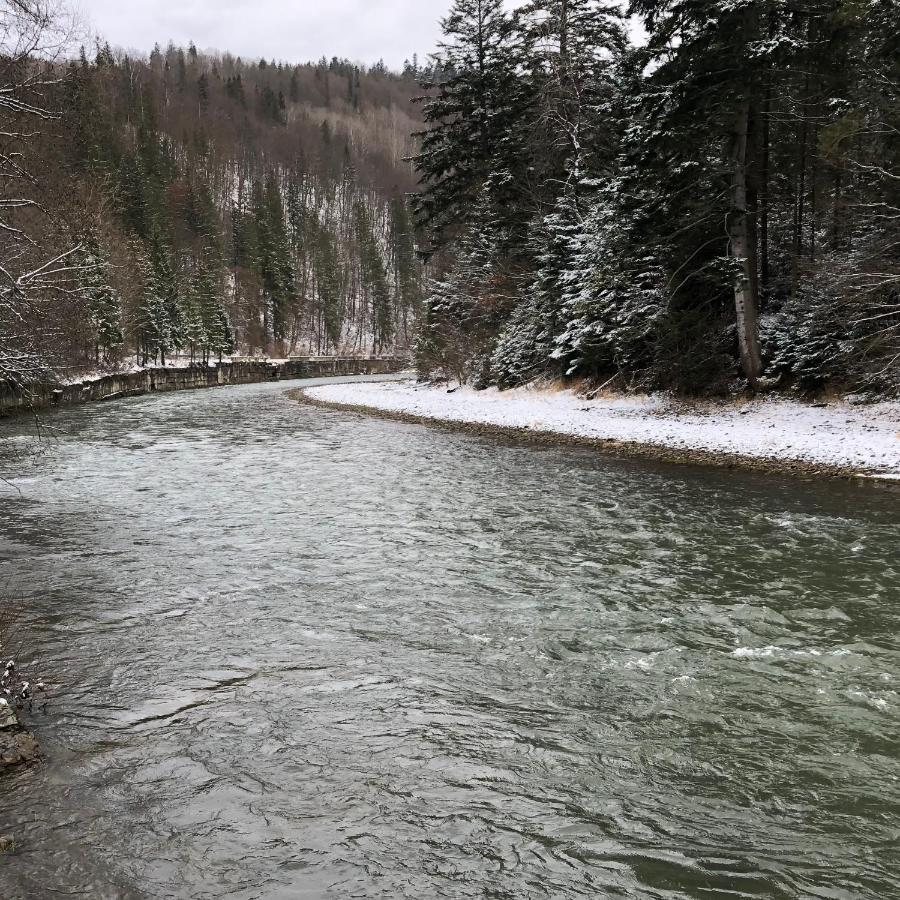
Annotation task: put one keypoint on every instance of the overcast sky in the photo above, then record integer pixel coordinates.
(290, 30)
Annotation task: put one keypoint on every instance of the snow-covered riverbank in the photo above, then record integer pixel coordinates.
(837, 438)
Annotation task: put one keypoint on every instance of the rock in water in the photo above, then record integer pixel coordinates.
(8, 717)
(17, 746)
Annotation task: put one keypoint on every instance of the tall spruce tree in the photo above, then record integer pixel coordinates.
(470, 116)
(209, 292)
(152, 323)
(373, 275)
(275, 268)
(163, 302)
(407, 274)
(103, 301)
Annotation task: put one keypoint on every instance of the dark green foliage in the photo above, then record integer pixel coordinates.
(203, 91)
(645, 206)
(152, 324)
(234, 88)
(374, 279)
(272, 106)
(92, 143)
(471, 116)
(407, 270)
(103, 302)
(466, 308)
(272, 251)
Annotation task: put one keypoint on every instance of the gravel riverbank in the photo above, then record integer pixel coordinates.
(838, 439)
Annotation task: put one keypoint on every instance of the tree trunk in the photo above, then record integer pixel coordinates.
(746, 287)
(764, 189)
(813, 175)
(836, 211)
(800, 199)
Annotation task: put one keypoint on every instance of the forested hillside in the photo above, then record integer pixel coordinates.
(717, 207)
(199, 205)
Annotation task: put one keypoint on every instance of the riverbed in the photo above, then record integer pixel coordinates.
(307, 653)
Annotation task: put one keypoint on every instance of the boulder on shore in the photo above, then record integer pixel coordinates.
(17, 745)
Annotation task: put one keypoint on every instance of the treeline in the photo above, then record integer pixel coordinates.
(200, 205)
(719, 206)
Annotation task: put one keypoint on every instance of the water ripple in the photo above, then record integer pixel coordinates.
(309, 654)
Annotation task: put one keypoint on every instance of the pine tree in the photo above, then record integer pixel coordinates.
(91, 130)
(208, 291)
(612, 288)
(330, 282)
(103, 301)
(164, 302)
(374, 278)
(406, 268)
(152, 322)
(705, 102)
(469, 115)
(466, 307)
(203, 92)
(193, 332)
(275, 267)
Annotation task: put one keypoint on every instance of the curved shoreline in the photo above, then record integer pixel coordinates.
(614, 447)
(166, 379)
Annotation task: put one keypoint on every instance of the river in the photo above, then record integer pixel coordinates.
(310, 654)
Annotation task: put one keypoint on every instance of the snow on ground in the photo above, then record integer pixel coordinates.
(862, 437)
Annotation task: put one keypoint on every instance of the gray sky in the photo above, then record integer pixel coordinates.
(290, 30)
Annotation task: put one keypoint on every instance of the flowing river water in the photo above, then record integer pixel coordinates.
(310, 654)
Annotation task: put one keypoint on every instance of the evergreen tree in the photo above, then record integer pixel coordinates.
(612, 291)
(208, 291)
(330, 282)
(374, 278)
(470, 115)
(164, 303)
(91, 131)
(152, 322)
(234, 88)
(704, 106)
(466, 307)
(203, 92)
(275, 266)
(192, 331)
(103, 301)
(406, 268)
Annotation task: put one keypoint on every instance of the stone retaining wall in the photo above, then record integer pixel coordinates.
(128, 384)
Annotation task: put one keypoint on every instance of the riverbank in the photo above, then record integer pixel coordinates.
(838, 439)
(138, 381)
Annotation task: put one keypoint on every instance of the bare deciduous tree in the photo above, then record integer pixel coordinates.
(34, 34)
